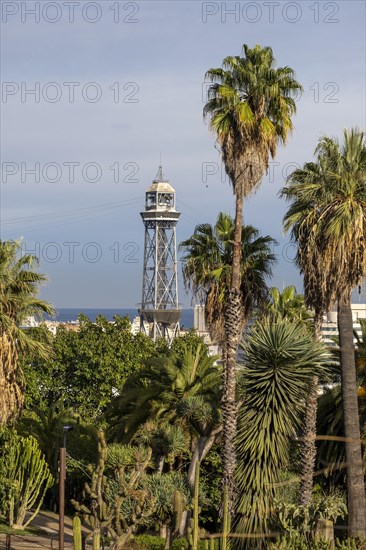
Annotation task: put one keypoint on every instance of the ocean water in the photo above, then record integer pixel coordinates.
(71, 314)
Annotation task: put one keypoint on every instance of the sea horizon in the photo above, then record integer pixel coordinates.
(65, 315)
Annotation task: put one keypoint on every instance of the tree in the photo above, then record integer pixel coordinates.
(280, 359)
(327, 216)
(331, 452)
(87, 367)
(250, 105)
(288, 304)
(207, 269)
(18, 300)
(174, 389)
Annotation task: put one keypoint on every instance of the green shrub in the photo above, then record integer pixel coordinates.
(297, 542)
(150, 542)
(180, 544)
(350, 544)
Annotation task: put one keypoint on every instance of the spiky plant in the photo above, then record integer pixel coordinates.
(280, 359)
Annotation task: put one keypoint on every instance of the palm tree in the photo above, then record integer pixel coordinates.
(288, 304)
(207, 269)
(280, 359)
(172, 389)
(18, 300)
(250, 105)
(331, 452)
(328, 221)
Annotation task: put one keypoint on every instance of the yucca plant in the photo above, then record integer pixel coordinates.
(279, 361)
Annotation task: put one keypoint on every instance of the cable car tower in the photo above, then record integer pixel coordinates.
(159, 307)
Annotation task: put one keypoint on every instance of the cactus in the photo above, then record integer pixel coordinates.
(95, 515)
(226, 520)
(103, 497)
(190, 533)
(76, 528)
(195, 508)
(30, 478)
(177, 510)
(96, 540)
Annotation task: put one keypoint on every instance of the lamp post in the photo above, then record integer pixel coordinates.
(62, 477)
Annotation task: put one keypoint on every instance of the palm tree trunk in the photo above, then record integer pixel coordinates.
(233, 328)
(308, 452)
(355, 476)
(11, 401)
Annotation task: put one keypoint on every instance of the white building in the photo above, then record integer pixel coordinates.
(330, 327)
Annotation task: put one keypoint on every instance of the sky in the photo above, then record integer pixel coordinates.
(95, 93)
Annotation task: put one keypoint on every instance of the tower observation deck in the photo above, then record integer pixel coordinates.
(159, 309)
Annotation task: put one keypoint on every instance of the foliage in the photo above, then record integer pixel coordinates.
(180, 544)
(210, 483)
(8, 440)
(169, 387)
(116, 502)
(163, 490)
(279, 362)
(250, 104)
(88, 367)
(18, 300)
(327, 218)
(288, 304)
(28, 475)
(149, 542)
(81, 442)
(302, 521)
(207, 268)
(297, 542)
(331, 452)
(189, 340)
(121, 496)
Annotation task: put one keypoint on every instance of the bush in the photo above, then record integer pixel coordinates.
(180, 544)
(298, 542)
(183, 544)
(149, 542)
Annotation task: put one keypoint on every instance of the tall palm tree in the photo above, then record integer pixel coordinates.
(331, 453)
(327, 217)
(250, 104)
(317, 298)
(18, 300)
(207, 269)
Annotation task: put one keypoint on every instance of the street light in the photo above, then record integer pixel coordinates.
(61, 501)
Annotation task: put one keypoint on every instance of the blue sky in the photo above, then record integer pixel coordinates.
(135, 90)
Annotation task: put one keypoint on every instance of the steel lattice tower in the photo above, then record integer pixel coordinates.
(160, 310)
